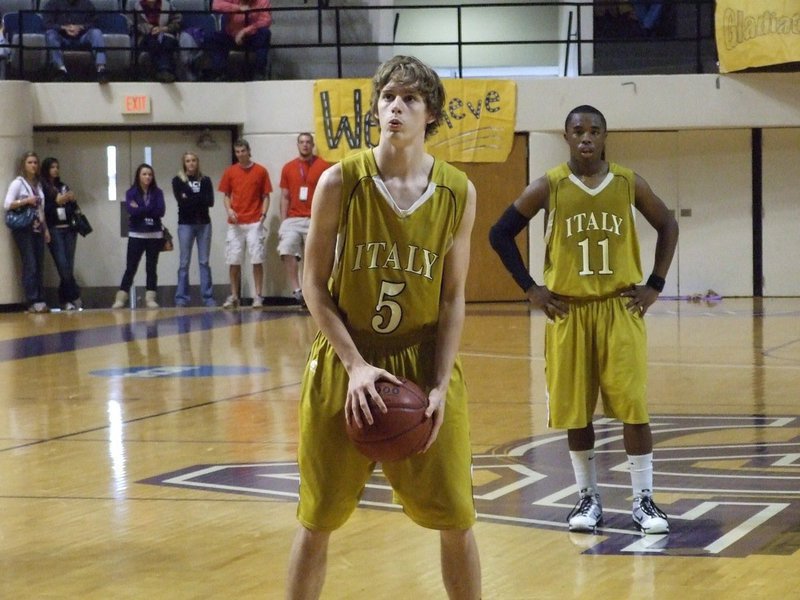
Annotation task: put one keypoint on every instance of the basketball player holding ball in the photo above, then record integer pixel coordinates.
(395, 308)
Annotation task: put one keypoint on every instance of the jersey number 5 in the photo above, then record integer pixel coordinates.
(383, 323)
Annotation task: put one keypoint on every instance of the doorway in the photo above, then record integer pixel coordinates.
(99, 166)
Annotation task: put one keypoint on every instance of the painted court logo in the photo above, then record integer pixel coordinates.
(153, 372)
(728, 484)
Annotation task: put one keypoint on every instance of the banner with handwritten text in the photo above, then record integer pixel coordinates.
(757, 34)
(478, 126)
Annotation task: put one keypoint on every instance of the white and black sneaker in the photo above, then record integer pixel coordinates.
(648, 517)
(231, 302)
(587, 514)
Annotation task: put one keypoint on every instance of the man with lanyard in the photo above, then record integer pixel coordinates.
(299, 179)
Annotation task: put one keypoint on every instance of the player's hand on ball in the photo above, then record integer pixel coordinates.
(361, 390)
(403, 430)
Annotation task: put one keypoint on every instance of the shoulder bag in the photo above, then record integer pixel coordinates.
(21, 218)
(166, 245)
(79, 223)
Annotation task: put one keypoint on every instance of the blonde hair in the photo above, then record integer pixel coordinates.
(182, 171)
(411, 72)
(22, 162)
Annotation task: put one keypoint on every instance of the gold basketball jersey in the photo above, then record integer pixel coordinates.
(592, 249)
(388, 274)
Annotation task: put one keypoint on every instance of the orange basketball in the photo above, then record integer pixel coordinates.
(400, 432)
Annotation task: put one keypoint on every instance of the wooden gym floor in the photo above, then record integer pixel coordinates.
(150, 454)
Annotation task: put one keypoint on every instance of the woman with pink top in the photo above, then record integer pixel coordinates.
(245, 25)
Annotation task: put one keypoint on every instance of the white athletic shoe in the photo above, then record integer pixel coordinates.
(648, 517)
(231, 302)
(587, 514)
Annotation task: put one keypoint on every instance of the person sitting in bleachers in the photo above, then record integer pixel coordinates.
(245, 26)
(157, 26)
(71, 24)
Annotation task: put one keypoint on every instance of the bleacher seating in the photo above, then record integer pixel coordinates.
(31, 55)
(196, 6)
(116, 36)
(9, 6)
(194, 27)
(30, 61)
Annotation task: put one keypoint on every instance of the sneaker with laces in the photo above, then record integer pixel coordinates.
(648, 517)
(231, 302)
(258, 302)
(587, 514)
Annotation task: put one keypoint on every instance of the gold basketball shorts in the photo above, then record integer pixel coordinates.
(600, 346)
(434, 488)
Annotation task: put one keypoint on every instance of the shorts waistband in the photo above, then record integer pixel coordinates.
(371, 343)
(586, 299)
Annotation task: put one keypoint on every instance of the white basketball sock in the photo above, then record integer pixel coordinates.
(641, 468)
(585, 472)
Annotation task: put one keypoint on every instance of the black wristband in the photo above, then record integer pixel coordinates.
(656, 282)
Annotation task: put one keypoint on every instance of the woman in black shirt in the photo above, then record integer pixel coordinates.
(195, 195)
(59, 208)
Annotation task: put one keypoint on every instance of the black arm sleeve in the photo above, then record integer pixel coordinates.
(501, 236)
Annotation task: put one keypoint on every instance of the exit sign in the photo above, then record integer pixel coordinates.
(136, 105)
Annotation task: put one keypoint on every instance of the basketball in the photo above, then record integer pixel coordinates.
(400, 432)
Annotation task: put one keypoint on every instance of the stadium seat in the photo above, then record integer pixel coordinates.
(117, 38)
(194, 26)
(25, 32)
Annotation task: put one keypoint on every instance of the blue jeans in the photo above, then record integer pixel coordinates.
(91, 38)
(257, 44)
(62, 249)
(187, 234)
(31, 251)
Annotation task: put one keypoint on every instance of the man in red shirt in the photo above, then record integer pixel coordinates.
(246, 186)
(299, 179)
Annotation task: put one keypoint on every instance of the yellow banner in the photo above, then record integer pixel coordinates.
(480, 115)
(757, 34)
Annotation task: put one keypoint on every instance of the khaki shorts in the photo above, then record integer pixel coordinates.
(250, 235)
(292, 236)
(434, 488)
(600, 346)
